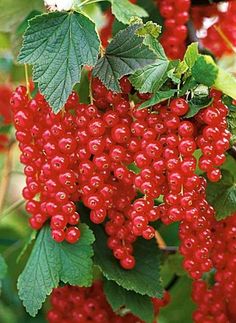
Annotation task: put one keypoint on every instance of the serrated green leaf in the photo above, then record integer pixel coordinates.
(13, 12)
(156, 47)
(152, 77)
(58, 45)
(191, 55)
(143, 279)
(51, 262)
(231, 120)
(222, 195)
(195, 107)
(124, 55)
(157, 98)
(174, 75)
(124, 10)
(139, 305)
(228, 101)
(204, 70)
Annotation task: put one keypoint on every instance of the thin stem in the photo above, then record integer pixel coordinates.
(12, 208)
(172, 282)
(160, 241)
(90, 90)
(27, 81)
(225, 38)
(6, 174)
(170, 249)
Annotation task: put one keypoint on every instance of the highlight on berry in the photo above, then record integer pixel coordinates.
(118, 161)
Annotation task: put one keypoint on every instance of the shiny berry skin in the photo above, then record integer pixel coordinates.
(72, 234)
(179, 106)
(128, 262)
(120, 133)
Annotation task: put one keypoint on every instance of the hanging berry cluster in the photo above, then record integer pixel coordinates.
(218, 35)
(47, 143)
(85, 155)
(176, 16)
(217, 303)
(76, 304)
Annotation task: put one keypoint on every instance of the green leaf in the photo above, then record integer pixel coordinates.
(191, 55)
(153, 14)
(229, 102)
(204, 70)
(150, 28)
(157, 98)
(181, 307)
(189, 84)
(151, 77)
(58, 45)
(222, 195)
(199, 101)
(231, 120)
(139, 305)
(175, 75)
(124, 55)
(143, 279)
(226, 83)
(174, 263)
(13, 12)
(124, 10)
(195, 108)
(51, 262)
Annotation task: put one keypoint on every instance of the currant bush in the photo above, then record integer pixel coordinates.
(126, 134)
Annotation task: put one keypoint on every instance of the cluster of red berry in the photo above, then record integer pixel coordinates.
(5, 114)
(176, 15)
(214, 138)
(216, 25)
(86, 155)
(76, 304)
(217, 303)
(48, 144)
